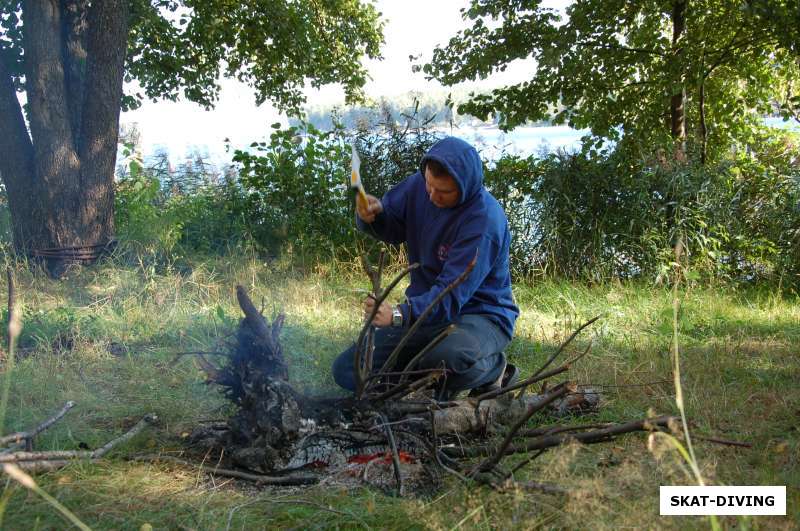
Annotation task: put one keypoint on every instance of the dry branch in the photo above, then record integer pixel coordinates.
(360, 377)
(34, 461)
(544, 487)
(724, 442)
(565, 344)
(21, 436)
(362, 365)
(395, 455)
(406, 388)
(409, 369)
(551, 396)
(588, 437)
(525, 462)
(418, 372)
(392, 359)
(525, 383)
(288, 480)
(34, 467)
(552, 430)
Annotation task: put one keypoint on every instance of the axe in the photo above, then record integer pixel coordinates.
(355, 180)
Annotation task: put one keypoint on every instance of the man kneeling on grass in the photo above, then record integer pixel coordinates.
(446, 217)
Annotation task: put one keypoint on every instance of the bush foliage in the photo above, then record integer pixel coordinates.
(590, 215)
(599, 216)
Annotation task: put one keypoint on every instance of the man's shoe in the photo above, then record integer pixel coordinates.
(508, 376)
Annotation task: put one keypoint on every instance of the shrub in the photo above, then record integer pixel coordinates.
(598, 216)
(591, 215)
(141, 216)
(296, 188)
(202, 214)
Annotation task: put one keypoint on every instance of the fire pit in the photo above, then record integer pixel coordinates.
(391, 433)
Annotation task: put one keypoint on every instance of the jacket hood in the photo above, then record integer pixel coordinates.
(461, 161)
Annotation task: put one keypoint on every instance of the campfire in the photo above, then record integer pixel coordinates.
(391, 433)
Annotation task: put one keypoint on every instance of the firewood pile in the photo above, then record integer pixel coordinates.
(391, 432)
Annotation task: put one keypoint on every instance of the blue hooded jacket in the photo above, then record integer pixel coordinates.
(444, 241)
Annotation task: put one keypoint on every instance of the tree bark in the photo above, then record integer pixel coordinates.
(55, 159)
(74, 24)
(16, 162)
(678, 100)
(60, 173)
(106, 43)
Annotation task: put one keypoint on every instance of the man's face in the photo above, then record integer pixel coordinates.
(442, 191)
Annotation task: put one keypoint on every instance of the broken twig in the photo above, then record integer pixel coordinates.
(21, 436)
(297, 479)
(395, 455)
(33, 459)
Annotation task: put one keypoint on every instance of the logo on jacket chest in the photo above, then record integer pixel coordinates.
(444, 250)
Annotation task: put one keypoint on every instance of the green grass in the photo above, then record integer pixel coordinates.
(107, 337)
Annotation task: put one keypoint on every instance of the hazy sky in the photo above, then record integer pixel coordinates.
(413, 27)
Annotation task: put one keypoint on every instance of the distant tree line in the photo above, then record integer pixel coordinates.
(436, 108)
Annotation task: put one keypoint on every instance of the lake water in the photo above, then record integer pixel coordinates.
(490, 141)
(533, 140)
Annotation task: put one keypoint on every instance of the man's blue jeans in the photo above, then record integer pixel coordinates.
(472, 355)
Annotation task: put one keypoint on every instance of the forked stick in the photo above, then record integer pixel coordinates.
(358, 373)
(21, 436)
(36, 461)
(392, 359)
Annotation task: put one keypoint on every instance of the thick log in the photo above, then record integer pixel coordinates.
(492, 416)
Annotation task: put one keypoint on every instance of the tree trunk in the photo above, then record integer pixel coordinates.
(678, 100)
(703, 128)
(677, 110)
(60, 177)
(107, 42)
(16, 163)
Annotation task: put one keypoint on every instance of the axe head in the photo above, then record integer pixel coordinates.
(355, 178)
